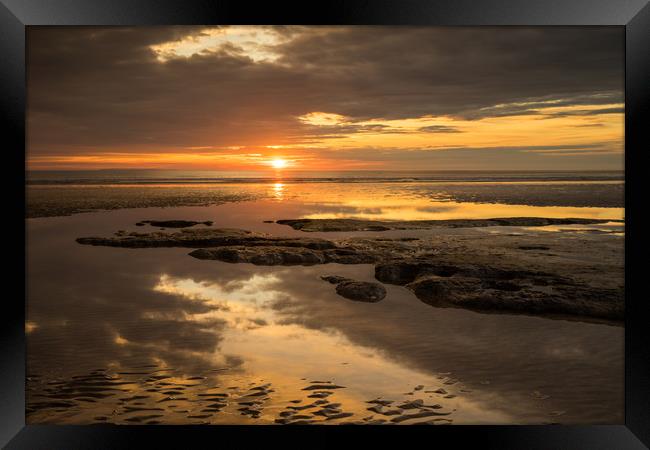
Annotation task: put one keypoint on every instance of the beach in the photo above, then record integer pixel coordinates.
(443, 298)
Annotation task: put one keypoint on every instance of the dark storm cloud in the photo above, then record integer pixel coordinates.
(92, 89)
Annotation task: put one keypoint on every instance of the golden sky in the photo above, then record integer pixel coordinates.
(325, 98)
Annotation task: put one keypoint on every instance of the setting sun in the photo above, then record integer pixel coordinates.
(279, 163)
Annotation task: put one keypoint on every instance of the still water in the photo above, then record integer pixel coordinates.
(155, 336)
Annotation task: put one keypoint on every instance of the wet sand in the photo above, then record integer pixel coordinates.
(263, 334)
(426, 198)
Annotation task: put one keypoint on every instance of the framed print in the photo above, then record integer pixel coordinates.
(234, 217)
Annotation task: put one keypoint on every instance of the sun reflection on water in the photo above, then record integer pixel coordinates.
(278, 191)
(286, 352)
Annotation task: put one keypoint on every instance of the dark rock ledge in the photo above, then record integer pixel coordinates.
(492, 289)
(360, 291)
(442, 272)
(241, 246)
(173, 223)
(311, 225)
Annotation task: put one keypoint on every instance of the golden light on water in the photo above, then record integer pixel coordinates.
(278, 191)
(281, 351)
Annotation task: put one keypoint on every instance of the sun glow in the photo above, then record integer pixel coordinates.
(278, 163)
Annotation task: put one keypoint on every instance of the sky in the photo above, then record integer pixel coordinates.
(325, 98)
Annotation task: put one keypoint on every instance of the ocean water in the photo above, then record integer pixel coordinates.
(126, 176)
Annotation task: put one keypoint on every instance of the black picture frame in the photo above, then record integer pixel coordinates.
(634, 15)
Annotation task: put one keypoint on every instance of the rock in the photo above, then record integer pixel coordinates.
(311, 225)
(490, 288)
(441, 290)
(262, 256)
(173, 223)
(511, 297)
(333, 225)
(361, 291)
(350, 256)
(192, 238)
(208, 237)
(334, 279)
(237, 246)
(401, 272)
(450, 270)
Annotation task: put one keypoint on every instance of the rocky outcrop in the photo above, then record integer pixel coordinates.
(360, 291)
(494, 289)
(311, 225)
(505, 273)
(262, 256)
(218, 237)
(405, 271)
(273, 255)
(173, 223)
(518, 297)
